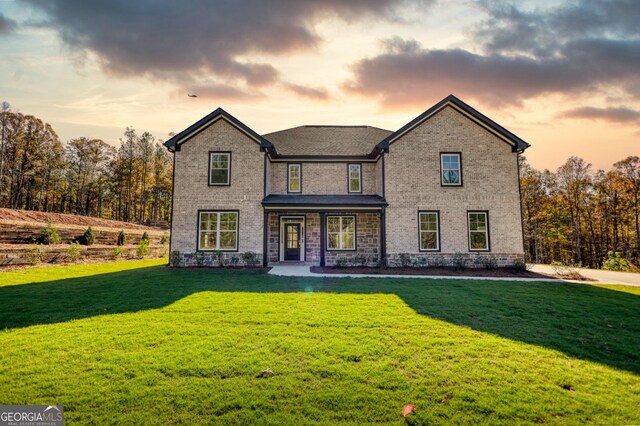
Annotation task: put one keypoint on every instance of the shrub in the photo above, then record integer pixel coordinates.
(199, 259)
(360, 260)
(405, 260)
(519, 265)
(35, 253)
(88, 238)
(564, 270)
(143, 248)
(118, 252)
(73, 252)
(250, 258)
(419, 261)
(342, 262)
(122, 238)
(234, 260)
(218, 256)
(164, 239)
(615, 262)
(175, 258)
(145, 236)
(489, 262)
(459, 261)
(382, 262)
(49, 235)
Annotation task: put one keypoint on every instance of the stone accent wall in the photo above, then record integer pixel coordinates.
(367, 241)
(192, 191)
(322, 178)
(457, 260)
(490, 182)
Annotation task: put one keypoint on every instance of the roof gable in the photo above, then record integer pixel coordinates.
(174, 143)
(516, 143)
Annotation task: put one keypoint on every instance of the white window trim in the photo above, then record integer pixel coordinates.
(299, 165)
(218, 213)
(442, 155)
(228, 169)
(359, 177)
(486, 231)
(437, 231)
(340, 233)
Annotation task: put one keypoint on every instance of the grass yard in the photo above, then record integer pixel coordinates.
(135, 342)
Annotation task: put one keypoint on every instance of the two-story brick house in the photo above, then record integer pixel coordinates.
(442, 188)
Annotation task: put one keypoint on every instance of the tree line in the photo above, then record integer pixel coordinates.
(578, 216)
(83, 176)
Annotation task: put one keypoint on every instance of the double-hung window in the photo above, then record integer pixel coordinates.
(355, 177)
(478, 230)
(294, 177)
(341, 232)
(219, 168)
(218, 230)
(450, 169)
(429, 230)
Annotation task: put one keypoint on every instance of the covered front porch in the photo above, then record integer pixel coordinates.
(324, 229)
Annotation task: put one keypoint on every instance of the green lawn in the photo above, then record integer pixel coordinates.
(135, 342)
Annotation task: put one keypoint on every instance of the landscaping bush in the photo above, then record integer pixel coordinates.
(198, 257)
(122, 239)
(615, 262)
(143, 248)
(145, 236)
(175, 258)
(405, 259)
(342, 262)
(382, 262)
(489, 262)
(250, 258)
(49, 235)
(164, 239)
(35, 253)
(519, 265)
(218, 256)
(459, 261)
(88, 238)
(234, 260)
(118, 252)
(419, 261)
(73, 252)
(360, 260)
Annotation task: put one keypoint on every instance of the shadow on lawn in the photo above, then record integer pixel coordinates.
(582, 321)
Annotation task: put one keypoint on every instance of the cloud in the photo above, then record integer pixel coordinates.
(613, 115)
(7, 26)
(315, 93)
(199, 42)
(588, 46)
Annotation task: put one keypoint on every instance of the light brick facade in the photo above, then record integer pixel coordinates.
(407, 176)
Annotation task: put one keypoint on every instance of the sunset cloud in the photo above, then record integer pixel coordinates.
(613, 115)
(7, 26)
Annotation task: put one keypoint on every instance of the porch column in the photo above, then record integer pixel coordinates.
(322, 238)
(265, 233)
(383, 239)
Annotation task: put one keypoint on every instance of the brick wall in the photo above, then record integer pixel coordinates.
(322, 178)
(490, 179)
(192, 192)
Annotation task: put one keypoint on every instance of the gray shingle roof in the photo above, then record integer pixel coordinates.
(327, 140)
(324, 200)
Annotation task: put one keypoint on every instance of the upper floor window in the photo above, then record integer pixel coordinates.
(478, 230)
(219, 168)
(429, 231)
(218, 231)
(355, 178)
(450, 169)
(294, 177)
(341, 232)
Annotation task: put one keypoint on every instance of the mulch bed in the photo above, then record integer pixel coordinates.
(447, 272)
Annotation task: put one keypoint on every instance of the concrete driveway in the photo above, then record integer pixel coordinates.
(605, 277)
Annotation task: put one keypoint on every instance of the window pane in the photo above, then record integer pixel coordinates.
(208, 221)
(219, 176)
(429, 240)
(294, 185)
(348, 224)
(333, 224)
(228, 221)
(219, 161)
(428, 222)
(334, 241)
(348, 242)
(354, 185)
(450, 169)
(478, 240)
(208, 240)
(227, 240)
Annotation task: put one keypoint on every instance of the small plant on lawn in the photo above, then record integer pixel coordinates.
(164, 239)
(405, 260)
(49, 235)
(615, 262)
(143, 248)
(198, 257)
(234, 260)
(218, 256)
(145, 236)
(88, 238)
(73, 252)
(35, 253)
(521, 266)
(176, 258)
(118, 252)
(360, 261)
(250, 258)
(122, 238)
(459, 261)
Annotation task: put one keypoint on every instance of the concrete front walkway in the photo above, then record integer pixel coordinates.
(608, 277)
(304, 271)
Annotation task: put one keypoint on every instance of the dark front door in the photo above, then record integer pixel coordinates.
(292, 241)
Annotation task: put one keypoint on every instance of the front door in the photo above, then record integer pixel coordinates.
(292, 241)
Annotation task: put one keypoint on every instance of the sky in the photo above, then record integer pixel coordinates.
(562, 75)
